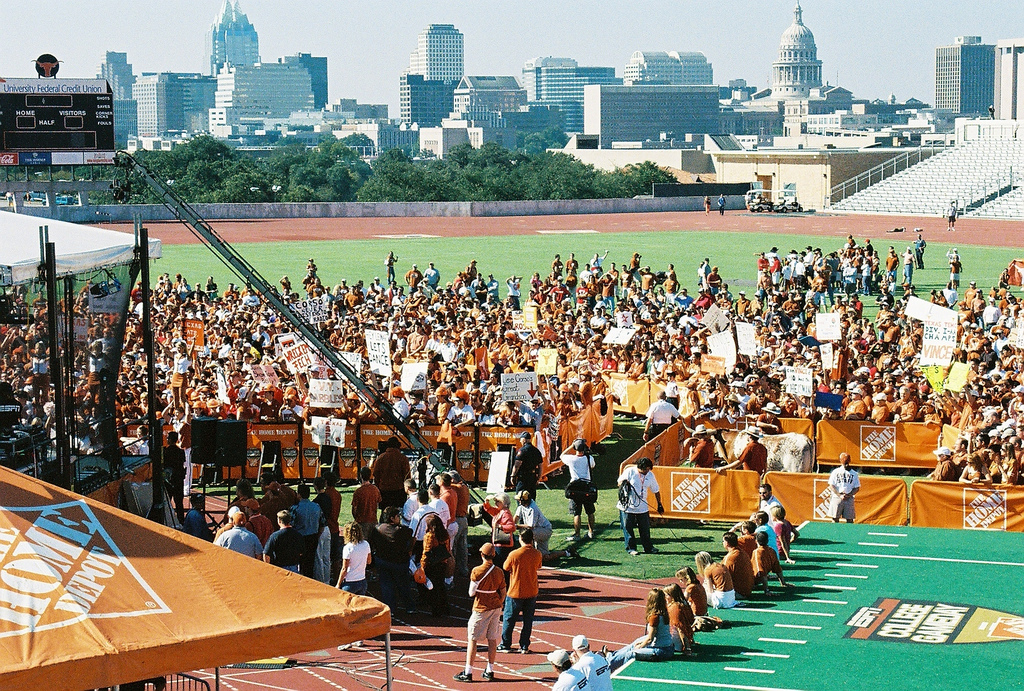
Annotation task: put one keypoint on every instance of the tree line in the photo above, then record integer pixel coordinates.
(205, 170)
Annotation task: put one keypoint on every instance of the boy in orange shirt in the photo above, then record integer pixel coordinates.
(766, 562)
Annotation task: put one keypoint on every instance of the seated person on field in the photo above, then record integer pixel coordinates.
(717, 582)
(766, 562)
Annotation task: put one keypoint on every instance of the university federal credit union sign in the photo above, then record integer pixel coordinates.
(59, 568)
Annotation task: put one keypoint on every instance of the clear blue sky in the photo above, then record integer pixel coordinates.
(872, 47)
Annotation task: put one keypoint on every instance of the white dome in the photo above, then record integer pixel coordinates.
(797, 36)
(797, 69)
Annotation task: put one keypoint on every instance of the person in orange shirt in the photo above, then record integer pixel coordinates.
(766, 562)
(717, 582)
(738, 563)
(523, 567)
(364, 502)
(487, 588)
(747, 542)
(680, 618)
(693, 592)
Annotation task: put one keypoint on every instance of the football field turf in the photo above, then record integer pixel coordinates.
(871, 607)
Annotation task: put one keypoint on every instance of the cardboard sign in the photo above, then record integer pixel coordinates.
(709, 364)
(265, 375)
(547, 361)
(518, 386)
(314, 310)
(81, 330)
(328, 431)
(326, 393)
(414, 376)
(723, 345)
(499, 471)
(922, 309)
(518, 321)
(938, 341)
(827, 356)
(715, 319)
(619, 336)
(828, 327)
(195, 334)
(624, 320)
(378, 347)
(799, 381)
(746, 340)
(531, 317)
(353, 360)
(301, 358)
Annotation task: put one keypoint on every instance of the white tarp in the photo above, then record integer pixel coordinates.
(80, 248)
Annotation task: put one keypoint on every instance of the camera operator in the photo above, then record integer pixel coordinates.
(581, 491)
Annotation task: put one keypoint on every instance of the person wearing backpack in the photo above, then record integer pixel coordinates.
(581, 491)
(634, 514)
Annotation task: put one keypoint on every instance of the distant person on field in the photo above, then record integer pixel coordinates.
(844, 483)
(721, 205)
(951, 214)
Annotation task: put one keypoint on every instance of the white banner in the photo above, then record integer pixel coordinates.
(519, 386)
(826, 352)
(722, 345)
(326, 393)
(314, 310)
(827, 326)
(715, 319)
(746, 339)
(624, 320)
(300, 357)
(618, 336)
(378, 348)
(938, 341)
(328, 431)
(799, 381)
(922, 309)
(414, 376)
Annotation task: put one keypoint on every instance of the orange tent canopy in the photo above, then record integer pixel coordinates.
(92, 596)
(1016, 271)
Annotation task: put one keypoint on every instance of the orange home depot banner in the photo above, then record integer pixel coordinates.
(698, 494)
(950, 436)
(663, 450)
(464, 444)
(287, 433)
(798, 425)
(631, 396)
(900, 445)
(588, 424)
(807, 497)
(971, 507)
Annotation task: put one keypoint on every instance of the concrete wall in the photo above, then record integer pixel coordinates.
(213, 212)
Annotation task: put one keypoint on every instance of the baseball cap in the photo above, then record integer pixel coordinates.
(580, 643)
(559, 658)
(526, 435)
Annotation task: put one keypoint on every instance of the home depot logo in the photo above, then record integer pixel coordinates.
(932, 623)
(691, 493)
(620, 389)
(59, 567)
(984, 509)
(822, 500)
(878, 443)
(1008, 628)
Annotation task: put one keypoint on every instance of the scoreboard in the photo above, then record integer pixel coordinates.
(56, 122)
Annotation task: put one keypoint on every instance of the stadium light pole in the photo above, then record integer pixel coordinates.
(156, 433)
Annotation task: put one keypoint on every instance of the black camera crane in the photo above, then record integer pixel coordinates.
(247, 272)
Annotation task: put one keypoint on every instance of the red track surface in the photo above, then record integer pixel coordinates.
(969, 231)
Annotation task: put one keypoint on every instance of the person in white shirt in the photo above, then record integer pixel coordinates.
(634, 483)
(593, 665)
(844, 483)
(400, 405)
(990, 315)
(411, 503)
(579, 463)
(660, 416)
(418, 522)
(569, 679)
(767, 499)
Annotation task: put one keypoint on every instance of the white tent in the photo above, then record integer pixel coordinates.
(79, 248)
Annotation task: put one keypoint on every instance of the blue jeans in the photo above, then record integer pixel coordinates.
(355, 587)
(640, 522)
(513, 608)
(395, 585)
(648, 654)
(908, 273)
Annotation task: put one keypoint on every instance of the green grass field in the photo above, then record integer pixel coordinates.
(523, 255)
(871, 607)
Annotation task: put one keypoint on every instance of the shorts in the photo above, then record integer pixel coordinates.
(485, 626)
(842, 508)
(576, 508)
(722, 599)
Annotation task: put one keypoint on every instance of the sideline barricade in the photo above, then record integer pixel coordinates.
(968, 507)
(807, 497)
(699, 494)
(899, 445)
(589, 424)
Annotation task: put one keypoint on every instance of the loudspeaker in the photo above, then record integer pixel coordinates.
(230, 440)
(204, 440)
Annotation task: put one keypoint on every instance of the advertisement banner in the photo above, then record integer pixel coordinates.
(698, 494)
(807, 497)
(900, 445)
(967, 507)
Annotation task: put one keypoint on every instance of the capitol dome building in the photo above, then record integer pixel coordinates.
(798, 69)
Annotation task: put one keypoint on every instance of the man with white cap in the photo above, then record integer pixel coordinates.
(569, 679)
(593, 665)
(946, 470)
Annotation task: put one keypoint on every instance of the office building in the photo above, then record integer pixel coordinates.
(438, 54)
(383, 136)
(478, 96)
(649, 112)
(560, 82)
(232, 39)
(172, 102)
(317, 68)
(798, 69)
(1009, 80)
(660, 67)
(248, 95)
(425, 101)
(440, 140)
(118, 72)
(965, 76)
(350, 109)
(126, 120)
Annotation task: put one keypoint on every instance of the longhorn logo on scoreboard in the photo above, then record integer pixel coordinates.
(878, 443)
(691, 493)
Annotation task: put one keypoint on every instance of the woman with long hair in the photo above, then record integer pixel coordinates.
(354, 558)
(693, 591)
(680, 618)
(438, 564)
(656, 643)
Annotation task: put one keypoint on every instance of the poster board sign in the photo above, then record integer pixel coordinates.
(922, 309)
(414, 376)
(378, 348)
(624, 320)
(827, 356)
(353, 360)
(498, 472)
(619, 336)
(746, 340)
(518, 321)
(195, 334)
(518, 386)
(265, 375)
(328, 431)
(326, 393)
(313, 310)
(300, 357)
(547, 361)
(938, 340)
(531, 317)
(715, 319)
(710, 364)
(723, 345)
(799, 381)
(827, 326)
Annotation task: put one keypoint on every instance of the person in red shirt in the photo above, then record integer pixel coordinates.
(753, 457)
(738, 563)
(364, 502)
(523, 566)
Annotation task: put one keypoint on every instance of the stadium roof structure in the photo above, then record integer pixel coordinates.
(94, 596)
(79, 248)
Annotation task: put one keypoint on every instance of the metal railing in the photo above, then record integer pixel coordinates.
(186, 682)
(997, 188)
(882, 171)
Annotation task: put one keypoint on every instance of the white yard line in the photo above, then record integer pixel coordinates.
(824, 586)
(778, 655)
(797, 626)
(946, 560)
(851, 565)
(754, 671)
(826, 602)
(845, 575)
(792, 641)
(702, 684)
(878, 544)
(889, 534)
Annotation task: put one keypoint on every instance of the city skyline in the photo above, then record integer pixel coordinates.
(857, 45)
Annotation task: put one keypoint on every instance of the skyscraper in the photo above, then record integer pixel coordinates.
(660, 67)
(247, 95)
(317, 68)
(232, 39)
(118, 72)
(965, 76)
(559, 82)
(172, 102)
(427, 90)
